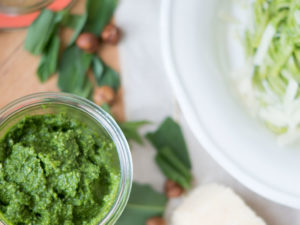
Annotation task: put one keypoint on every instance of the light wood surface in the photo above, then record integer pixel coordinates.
(18, 67)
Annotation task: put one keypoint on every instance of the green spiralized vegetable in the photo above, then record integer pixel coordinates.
(280, 20)
(272, 44)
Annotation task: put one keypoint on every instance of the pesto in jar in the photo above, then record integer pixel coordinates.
(56, 170)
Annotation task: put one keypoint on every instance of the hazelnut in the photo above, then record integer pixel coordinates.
(156, 221)
(172, 189)
(87, 42)
(104, 94)
(111, 34)
(169, 184)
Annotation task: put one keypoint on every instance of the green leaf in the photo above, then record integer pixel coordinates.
(86, 90)
(76, 22)
(71, 20)
(40, 31)
(130, 130)
(104, 75)
(170, 157)
(109, 78)
(169, 135)
(72, 69)
(106, 108)
(48, 63)
(168, 171)
(61, 16)
(173, 168)
(99, 14)
(98, 69)
(144, 203)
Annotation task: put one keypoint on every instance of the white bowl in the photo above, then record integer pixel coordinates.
(192, 36)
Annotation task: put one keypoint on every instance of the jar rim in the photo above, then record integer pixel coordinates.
(18, 10)
(106, 121)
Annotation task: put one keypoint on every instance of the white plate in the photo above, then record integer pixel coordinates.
(192, 36)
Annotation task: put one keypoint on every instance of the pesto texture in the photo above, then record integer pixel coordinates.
(56, 170)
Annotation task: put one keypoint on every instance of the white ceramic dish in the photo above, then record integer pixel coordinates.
(196, 60)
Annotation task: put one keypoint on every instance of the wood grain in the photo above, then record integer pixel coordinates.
(18, 67)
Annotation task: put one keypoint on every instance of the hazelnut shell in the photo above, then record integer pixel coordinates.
(104, 94)
(87, 42)
(111, 34)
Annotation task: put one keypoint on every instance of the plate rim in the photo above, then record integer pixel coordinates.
(211, 148)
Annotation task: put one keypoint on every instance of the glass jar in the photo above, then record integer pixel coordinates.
(91, 115)
(22, 6)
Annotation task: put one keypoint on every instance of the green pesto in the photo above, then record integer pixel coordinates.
(56, 170)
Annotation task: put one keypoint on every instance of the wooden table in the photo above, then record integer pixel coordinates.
(18, 67)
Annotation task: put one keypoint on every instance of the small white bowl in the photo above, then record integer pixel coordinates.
(192, 36)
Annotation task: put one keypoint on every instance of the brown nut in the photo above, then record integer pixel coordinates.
(104, 94)
(172, 189)
(111, 34)
(87, 42)
(156, 221)
(169, 184)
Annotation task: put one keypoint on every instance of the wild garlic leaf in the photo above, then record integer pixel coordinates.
(49, 60)
(109, 78)
(61, 16)
(104, 75)
(170, 135)
(98, 69)
(39, 33)
(130, 130)
(144, 203)
(169, 156)
(106, 108)
(173, 168)
(71, 20)
(72, 69)
(77, 23)
(86, 90)
(99, 14)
